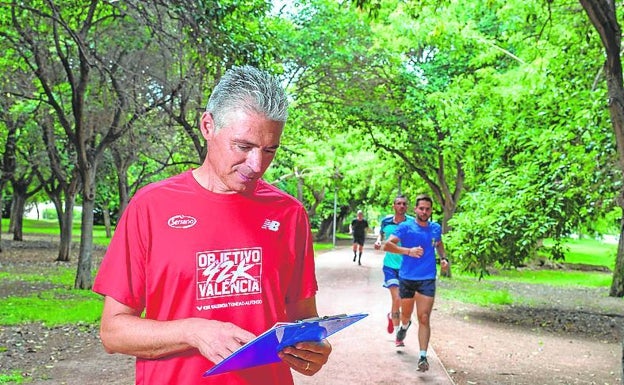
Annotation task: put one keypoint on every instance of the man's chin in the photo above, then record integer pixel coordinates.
(245, 187)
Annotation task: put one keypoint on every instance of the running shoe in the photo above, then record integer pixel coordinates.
(401, 333)
(390, 324)
(423, 365)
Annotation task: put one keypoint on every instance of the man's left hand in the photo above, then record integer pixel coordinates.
(306, 357)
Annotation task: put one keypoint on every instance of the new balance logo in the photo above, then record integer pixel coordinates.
(270, 225)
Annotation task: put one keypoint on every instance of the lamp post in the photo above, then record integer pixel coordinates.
(335, 206)
(336, 177)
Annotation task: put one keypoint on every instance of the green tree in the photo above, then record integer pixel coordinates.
(90, 51)
(519, 42)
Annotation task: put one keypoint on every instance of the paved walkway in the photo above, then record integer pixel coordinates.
(365, 352)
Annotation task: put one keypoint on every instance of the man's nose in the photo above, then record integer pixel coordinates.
(254, 160)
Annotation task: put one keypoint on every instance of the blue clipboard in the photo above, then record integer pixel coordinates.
(263, 349)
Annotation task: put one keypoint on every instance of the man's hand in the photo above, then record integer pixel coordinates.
(377, 244)
(416, 252)
(444, 266)
(306, 357)
(216, 340)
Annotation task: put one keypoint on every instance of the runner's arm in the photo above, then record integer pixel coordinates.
(380, 238)
(392, 246)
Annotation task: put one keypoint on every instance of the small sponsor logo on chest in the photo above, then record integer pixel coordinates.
(270, 225)
(181, 221)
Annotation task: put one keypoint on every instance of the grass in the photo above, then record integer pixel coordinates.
(52, 308)
(466, 288)
(555, 277)
(324, 246)
(50, 228)
(56, 306)
(579, 251)
(15, 377)
(590, 252)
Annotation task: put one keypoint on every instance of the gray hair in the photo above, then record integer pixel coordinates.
(250, 89)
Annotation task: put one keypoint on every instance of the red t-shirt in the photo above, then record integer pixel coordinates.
(181, 251)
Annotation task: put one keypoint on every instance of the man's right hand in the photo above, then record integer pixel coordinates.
(216, 340)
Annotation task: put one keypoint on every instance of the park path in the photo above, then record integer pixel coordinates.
(365, 353)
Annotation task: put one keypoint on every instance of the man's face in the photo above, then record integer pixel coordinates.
(400, 206)
(423, 211)
(241, 151)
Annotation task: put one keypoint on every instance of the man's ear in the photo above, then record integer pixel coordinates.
(207, 125)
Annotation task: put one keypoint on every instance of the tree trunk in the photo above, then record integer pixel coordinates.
(603, 16)
(122, 187)
(17, 216)
(83, 274)
(325, 229)
(107, 220)
(1, 209)
(617, 285)
(8, 162)
(65, 217)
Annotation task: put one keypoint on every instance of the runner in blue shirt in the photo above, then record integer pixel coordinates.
(419, 241)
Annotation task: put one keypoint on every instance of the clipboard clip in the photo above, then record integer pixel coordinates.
(321, 318)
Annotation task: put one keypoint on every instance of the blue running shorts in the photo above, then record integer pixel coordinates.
(408, 288)
(391, 277)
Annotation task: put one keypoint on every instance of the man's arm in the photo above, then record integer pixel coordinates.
(122, 330)
(440, 250)
(305, 357)
(380, 238)
(392, 246)
(444, 262)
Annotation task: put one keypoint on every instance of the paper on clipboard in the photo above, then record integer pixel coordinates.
(263, 349)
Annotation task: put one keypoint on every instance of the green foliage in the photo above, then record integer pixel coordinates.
(490, 230)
